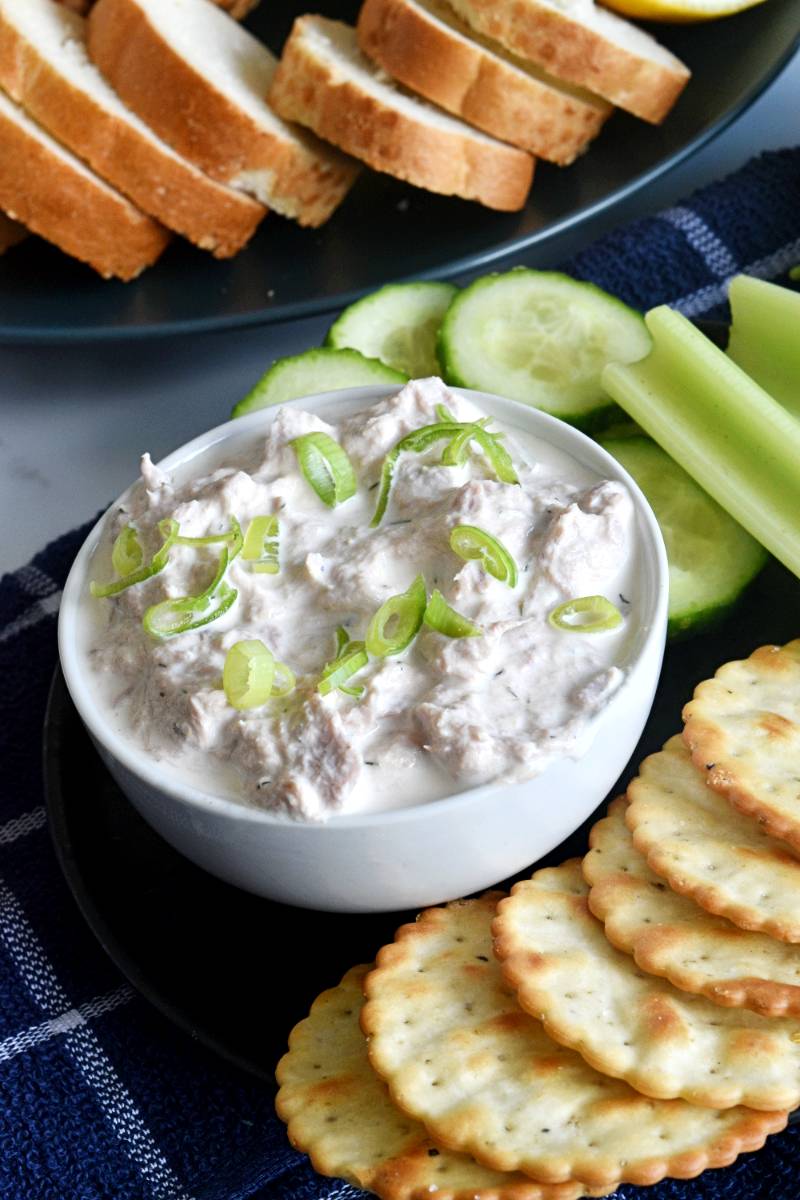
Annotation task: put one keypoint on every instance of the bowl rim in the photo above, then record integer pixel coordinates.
(134, 759)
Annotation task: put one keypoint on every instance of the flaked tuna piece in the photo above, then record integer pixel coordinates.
(368, 441)
(360, 568)
(305, 763)
(587, 542)
(278, 457)
(501, 710)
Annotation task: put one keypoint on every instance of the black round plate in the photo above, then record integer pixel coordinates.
(387, 230)
(201, 950)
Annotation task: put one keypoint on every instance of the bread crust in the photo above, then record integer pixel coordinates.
(11, 232)
(473, 83)
(237, 8)
(214, 217)
(561, 44)
(58, 202)
(307, 89)
(306, 181)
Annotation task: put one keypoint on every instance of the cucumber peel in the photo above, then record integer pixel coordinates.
(397, 324)
(542, 338)
(711, 558)
(319, 370)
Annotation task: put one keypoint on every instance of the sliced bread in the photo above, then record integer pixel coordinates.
(55, 195)
(199, 80)
(578, 41)
(45, 67)
(424, 45)
(11, 232)
(324, 81)
(237, 8)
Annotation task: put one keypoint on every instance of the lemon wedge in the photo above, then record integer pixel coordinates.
(679, 10)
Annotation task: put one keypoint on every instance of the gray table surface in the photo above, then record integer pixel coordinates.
(75, 419)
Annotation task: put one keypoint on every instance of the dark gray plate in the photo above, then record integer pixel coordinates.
(186, 940)
(386, 230)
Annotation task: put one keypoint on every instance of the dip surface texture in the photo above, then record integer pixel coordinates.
(445, 714)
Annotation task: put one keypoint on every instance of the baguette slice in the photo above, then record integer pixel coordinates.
(45, 67)
(11, 232)
(424, 45)
(324, 81)
(580, 42)
(237, 8)
(51, 191)
(199, 80)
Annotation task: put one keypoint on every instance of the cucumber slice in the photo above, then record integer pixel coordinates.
(320, 370)
(711, 558)
(542, 338)
(765, 337)
(397, 324)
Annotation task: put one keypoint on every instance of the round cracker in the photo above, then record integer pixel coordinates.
(593, 998)
(340, 1113)
(743, 729)
(669, 935)
(457, 1052)
(705, 849)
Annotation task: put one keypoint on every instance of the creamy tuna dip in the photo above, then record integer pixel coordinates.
(444, 715)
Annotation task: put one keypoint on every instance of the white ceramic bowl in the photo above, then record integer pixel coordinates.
(412, 856)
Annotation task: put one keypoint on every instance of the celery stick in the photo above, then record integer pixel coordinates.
(765, 337)
(738, 443)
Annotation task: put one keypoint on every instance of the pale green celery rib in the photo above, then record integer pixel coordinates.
(726, 431)
(765, 337)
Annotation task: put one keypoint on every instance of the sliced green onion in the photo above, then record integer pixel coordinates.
(169, 530)
(325, 467)
(351, 657)
(171, 617)
(342, 638)
(248, 674)
(261, 545)
(455, 454)
(418, 441)
(232, 536)
(397, 622)
(168, 619)
(456, 451)
(470, 542)
(459, 436)
(586, 614)
(444, 619)
(496, 453)
(284, 680)
(127, 555)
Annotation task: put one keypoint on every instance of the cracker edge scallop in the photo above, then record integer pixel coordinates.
(749, 1135)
